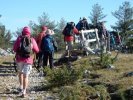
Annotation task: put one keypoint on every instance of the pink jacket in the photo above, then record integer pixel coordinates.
(34, 49)
(39, 39)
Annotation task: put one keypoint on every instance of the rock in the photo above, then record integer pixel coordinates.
(33, 92)
(110, 66)
(50, 98)
(86, 73)
(94, 97)
(129, 74)
(79, 57)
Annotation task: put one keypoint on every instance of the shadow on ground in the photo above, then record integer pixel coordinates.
(6, 70)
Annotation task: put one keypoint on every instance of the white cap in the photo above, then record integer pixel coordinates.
(50, 32)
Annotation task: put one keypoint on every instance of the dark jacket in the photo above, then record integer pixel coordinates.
(83, 25)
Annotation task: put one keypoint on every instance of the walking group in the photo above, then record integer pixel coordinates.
(44, 46)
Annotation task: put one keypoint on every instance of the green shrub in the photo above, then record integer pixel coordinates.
(103, 61)
(83, 92)
(102, 90)
(76, 92)
(87, 90)
(69, 93)
(63, 76)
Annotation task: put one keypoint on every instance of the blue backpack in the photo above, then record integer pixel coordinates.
(47, 43)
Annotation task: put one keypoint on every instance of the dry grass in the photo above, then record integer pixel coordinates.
(124, 64)
(115, 77)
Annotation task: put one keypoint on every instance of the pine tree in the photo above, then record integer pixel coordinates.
(96, 14)
(124, 15)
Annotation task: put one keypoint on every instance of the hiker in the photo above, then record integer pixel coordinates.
(48, 46)
(118, 39)
(103, 35)
(24, 46)
(83, 24)
(78, 26)
(69, 31)
(108, 41)
(112, 41)
(38, 40)
(101, 30)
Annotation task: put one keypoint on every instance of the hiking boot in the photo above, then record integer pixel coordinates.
(24, 95)
(20, 91)
(44, 74)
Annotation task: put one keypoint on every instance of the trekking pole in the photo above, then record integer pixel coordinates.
(34, 60)
(14, 63)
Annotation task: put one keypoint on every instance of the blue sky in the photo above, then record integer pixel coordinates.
(18, 13)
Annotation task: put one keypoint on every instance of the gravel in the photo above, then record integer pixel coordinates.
(9, 86)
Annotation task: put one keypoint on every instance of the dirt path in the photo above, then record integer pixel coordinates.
(9, 85)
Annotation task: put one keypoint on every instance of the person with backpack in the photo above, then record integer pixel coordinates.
(83, 24)
(69, 31)
(112, 41)
(78, 26)
(24, 46)
(39, 40)
(103, 36)
(48, 46)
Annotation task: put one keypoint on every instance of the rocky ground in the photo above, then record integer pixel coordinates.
(116, 77)
(9, 85)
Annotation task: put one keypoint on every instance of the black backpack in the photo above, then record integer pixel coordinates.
(25, 47)
(84, 25)
(68, 30)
